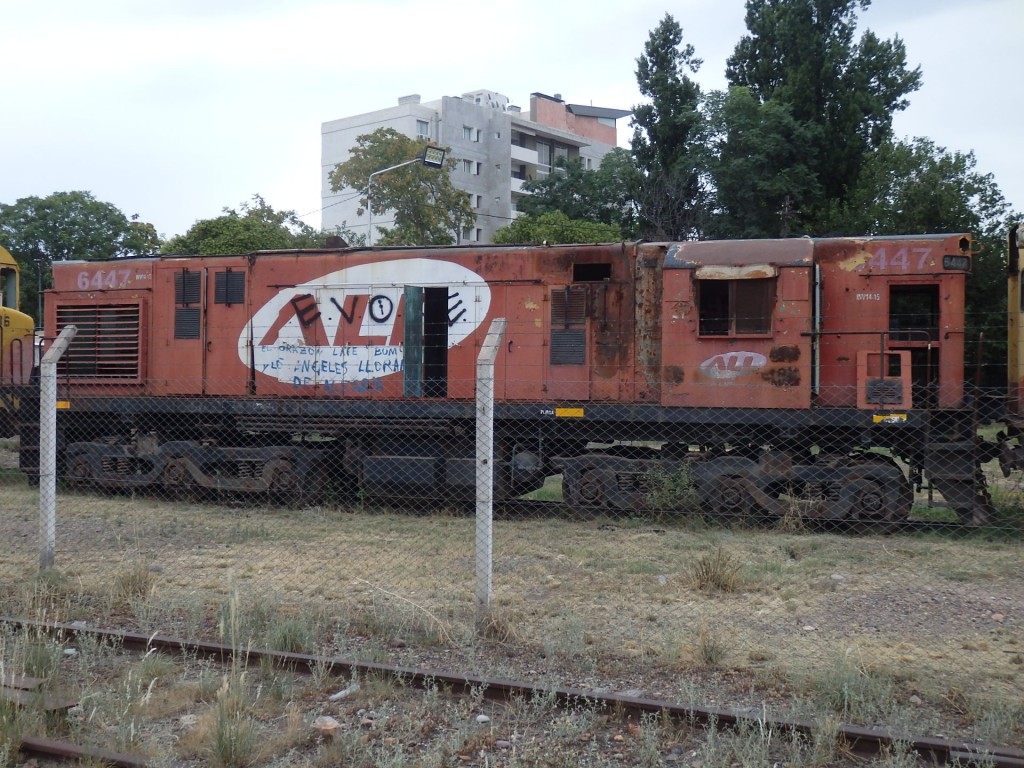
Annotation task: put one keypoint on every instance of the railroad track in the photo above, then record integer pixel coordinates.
(861, 741)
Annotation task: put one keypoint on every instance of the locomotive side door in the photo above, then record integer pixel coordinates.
(224, 312)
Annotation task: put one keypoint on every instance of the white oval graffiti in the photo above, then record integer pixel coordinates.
(732, 365)
(341, 328)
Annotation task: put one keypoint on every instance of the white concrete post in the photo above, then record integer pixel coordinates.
(48, 447)
(485, 468)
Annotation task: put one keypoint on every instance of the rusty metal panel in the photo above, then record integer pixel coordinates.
(102, 276)
(735, 253)
(648, 319)
(741, 370)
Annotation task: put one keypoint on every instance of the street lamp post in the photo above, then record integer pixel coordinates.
(432, 157)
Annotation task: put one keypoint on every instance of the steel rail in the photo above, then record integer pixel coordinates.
(32, 745)
(867, 742)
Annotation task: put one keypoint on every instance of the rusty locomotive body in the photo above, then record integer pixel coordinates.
(822, 373)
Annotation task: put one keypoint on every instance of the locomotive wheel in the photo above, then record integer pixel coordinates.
(870, 509)
(79, 472)
(587, 492)
(177, 480)
(284, 479)
(590, 489)
(731, 503)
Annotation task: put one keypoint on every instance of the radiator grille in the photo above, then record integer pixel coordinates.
(107, 345)
(885, 391)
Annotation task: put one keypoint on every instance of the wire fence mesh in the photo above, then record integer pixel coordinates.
(641, 561)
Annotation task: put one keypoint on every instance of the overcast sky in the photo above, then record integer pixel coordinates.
(174, 109)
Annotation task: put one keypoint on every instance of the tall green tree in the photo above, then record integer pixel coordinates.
(428, 209)
(803, 54)
(554, 227)
(667, 141)
(255, 226)
(763, 166)
(67, 225)
(605, 195)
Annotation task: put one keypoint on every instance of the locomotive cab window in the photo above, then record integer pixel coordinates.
(9, 288)
(735, 307)
(914, 312)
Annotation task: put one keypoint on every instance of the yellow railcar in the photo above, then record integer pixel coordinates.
(17, 334)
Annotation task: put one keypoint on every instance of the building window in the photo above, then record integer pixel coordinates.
(477, 135)
(467, 234)
(422, 129)
(543, 158)
(735, 307)
(467, 166)
(479, 235)
(479, 201)
(467, 133)
(477, 169)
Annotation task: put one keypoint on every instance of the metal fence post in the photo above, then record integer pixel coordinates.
(48, 447)
(485, 467)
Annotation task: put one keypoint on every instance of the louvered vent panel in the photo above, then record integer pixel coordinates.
(568, 306)
(568, 347)
(187, 287)
(186, 323)
(885, 391)
(229, 287)
(107, 345)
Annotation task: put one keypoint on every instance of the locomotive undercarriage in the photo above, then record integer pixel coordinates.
(732, 467)
(868, 491)
(401, 465)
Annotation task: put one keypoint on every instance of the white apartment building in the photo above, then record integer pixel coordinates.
(496, 145)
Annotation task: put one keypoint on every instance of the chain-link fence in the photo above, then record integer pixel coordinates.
(611, 562)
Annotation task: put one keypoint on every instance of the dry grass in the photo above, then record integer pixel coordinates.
(745, 616)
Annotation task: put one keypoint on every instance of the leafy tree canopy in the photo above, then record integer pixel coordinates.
(667, 136)
(67, 225)
(255, 226)
(428, 209)
(802, 53)
(664, 127)
(555, 227)
(605, 195)
(762, 164)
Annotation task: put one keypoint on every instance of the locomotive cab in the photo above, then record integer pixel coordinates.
(890, 327)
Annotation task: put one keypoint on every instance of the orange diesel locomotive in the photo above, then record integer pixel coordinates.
(822, 373)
